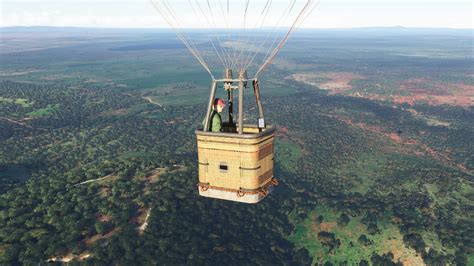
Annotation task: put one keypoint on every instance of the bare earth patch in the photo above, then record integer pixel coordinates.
(17, 73)
(111, 177)
(70, 257)
(156, 173)
(94, 238)
(421, 90)
(408, 145)
(104, 218)
(326, 226)
(142, 220)
(401, 253)
(15, 122)
(414, 90)
(395, 137)
(152, 101)
(335, 82)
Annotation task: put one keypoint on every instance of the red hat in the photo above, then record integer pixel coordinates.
(219, 101)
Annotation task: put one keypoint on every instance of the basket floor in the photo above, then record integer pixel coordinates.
(227, 195)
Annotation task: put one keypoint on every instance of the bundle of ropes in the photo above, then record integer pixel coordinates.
(234, 34)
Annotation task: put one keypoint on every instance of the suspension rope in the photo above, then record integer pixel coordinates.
(226, 20)
(249, 44)
(301, 14)
(176, 27)
(277, 37)
(269, 33)
(217, 33)
(210, 39)
(238, 61)
(211, 26)
(284, 17)
(185, 35)
(260, 21)
(241, 49)
(309, 12)
(232, 45)
(229, 26)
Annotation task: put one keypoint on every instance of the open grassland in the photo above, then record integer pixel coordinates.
(329, 239)
(287, 153)
(19, 101)
(48, 110)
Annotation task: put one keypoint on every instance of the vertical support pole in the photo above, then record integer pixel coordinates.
(256, 90)
(211, 103)
(241, 107)
(230, 96)
(230, 93)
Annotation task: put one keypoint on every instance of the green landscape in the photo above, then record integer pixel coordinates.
(373, 152)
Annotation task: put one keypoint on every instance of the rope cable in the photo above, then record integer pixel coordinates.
(239, 59)
(216, 28)
(253, 37)
(278, 38)
(226, 20)
(207, 18)
(269, 33)
(210, 39)
(185, 35)
(231, 43)
(285, 38)
(176, 27)
(285, 15)
(229, 53)
(309, 12)
(261, 21)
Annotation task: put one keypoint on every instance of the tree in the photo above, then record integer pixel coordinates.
(343, 219)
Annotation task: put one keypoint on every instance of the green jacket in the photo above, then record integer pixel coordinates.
(215, 124)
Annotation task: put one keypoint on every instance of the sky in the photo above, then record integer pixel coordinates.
(328, 14)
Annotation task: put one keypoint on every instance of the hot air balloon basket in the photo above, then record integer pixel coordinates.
(236, 167)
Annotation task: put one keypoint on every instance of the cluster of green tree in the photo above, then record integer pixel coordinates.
(456, 137)
(394, 193)
(99, 132)
(52, 214)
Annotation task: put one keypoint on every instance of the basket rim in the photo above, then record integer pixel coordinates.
(268, 131)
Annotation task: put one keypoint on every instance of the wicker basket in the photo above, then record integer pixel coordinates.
(236, 167)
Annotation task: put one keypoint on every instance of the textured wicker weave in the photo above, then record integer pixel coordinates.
(232, 162)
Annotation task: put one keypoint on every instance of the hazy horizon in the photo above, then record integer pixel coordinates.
(328, 14)
(170, 29)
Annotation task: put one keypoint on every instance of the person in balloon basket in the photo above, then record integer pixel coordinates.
(215, 124)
